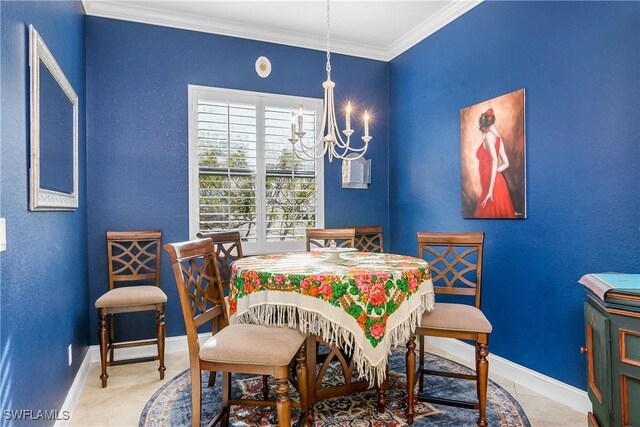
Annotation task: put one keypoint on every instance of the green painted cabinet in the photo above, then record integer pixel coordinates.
(612, 327)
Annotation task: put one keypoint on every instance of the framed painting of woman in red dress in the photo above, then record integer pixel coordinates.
(492, 153)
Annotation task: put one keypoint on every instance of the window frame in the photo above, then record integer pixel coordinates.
(260, 100)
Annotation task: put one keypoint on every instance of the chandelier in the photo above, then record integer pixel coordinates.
(329, 139)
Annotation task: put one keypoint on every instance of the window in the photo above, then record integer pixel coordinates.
(243, 173)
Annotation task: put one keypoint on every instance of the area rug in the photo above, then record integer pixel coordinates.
(171, 404)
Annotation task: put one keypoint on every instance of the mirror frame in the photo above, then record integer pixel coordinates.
(42, 199)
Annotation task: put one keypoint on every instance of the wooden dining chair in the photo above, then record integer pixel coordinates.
(228, 248)
(235, 348)
(455, 260)
(134, 285)
(322, 237)
(368, 238)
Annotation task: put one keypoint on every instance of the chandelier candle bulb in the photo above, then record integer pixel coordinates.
(293, 126)
(366, 124)
(348, 118)
(300, 119)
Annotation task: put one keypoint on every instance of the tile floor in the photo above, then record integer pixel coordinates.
(131, 386)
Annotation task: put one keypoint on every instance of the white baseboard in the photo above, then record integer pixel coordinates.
(74, 392)
(549, 387)
(172, 345)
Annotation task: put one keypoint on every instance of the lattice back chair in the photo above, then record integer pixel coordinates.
(134, 285)
(368, 238)
(455, 260)
(228, 247)
(322, 237)
(235, 348)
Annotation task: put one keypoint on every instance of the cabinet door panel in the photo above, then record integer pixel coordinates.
(598, 363)
(630, 347)
(630, 397)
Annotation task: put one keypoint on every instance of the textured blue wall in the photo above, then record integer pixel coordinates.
(43, 271)
(580, 65)
(137, 131)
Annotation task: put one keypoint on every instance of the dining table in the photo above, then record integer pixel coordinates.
(360, 304)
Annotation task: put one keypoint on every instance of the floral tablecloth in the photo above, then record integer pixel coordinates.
(366, 304)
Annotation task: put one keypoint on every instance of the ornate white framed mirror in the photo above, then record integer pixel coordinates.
(53, 168)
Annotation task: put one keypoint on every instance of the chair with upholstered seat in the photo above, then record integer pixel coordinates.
(134, 286)
(322, 237)
(368, 238)
(236, 348)
(455, 260)
(228, 247)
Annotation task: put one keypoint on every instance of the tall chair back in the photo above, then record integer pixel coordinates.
(198, 280)
(228, 248)
(134, 257)
(368, 238)
(455, 260)
(322, 237)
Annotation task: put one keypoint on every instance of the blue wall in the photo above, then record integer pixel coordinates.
(137, 134)
(43, 271)
(580, 65)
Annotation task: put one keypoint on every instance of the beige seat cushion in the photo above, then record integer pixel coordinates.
(252, 345)
(131, 295)
(455, 317)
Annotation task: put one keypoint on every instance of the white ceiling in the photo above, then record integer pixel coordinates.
(370, 29)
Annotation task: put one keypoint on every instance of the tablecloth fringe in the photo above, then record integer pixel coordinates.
(311, 322)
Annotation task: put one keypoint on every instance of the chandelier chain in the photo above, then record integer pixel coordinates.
(328, 41)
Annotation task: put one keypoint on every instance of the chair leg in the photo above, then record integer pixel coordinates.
(411, 373)
(421, 363)
(301, 375)
(265, 387)
(283, 403)
(226, 396)
(212, 378)
(160, 334)
(382, 388)
(112, 336)
(214, 330)
(482, 371)
(196, 397)
(103, 335)
(477, 371)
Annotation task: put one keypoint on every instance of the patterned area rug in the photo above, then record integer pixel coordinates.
(171, 404)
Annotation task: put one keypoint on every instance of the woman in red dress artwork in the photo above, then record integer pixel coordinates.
(494, 201)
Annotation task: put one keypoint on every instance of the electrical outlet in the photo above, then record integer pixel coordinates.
(70, 354)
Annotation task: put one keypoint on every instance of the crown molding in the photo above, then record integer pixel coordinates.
(148, 15)
(429, 26)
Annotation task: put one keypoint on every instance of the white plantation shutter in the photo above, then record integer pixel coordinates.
(290, 204)
(243, 173)
(227, 167)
